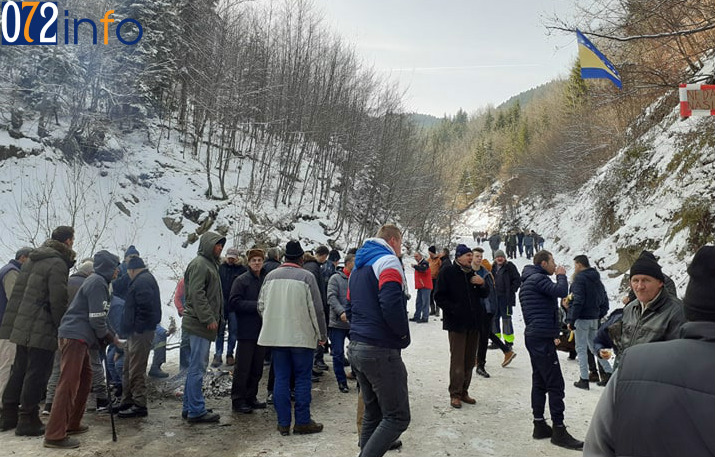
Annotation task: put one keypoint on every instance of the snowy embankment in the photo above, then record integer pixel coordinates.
(643, 198)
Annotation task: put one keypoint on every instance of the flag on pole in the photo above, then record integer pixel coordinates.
(593, 63)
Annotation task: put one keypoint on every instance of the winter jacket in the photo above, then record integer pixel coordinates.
(659, 322)
(434, 264)
(590, 300)
(661, 401)
(608, 335)
(312, 265)
(39, 299)
(511, 240)
(142, 308)
(506, 281)
(204, 298)
(445, 263)
(520, 238)
(228, 274)
(243, 301)
(74, 282)
(8, 277)
(668, 285)
(291, 308)
(86, 317)
(528, 240)
(180, 297)
(494, 241)
(270, 265)
(460, 300)
(114, 316)
(338, 299)
(539, 301)
(327, 270)
(489, 302)
(423, 275)
(377, 303)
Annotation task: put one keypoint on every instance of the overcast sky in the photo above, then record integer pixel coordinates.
(452, 54)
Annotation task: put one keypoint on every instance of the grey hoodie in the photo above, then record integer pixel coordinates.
(85, 319)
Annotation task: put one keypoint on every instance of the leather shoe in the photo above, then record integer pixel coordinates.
(469, 400)
(455, 402)
(134, 411)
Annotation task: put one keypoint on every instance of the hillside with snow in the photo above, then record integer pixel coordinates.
(657, 193)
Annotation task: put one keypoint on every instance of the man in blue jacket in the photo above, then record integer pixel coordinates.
(379, 330)
(539, 302)
(588, 305)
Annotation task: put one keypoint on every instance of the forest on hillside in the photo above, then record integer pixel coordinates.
(554, 137)
(268, 82)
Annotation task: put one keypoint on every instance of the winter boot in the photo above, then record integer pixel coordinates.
(593, 376)
(581, 384)
(482, 372)
(541, 430)
(604, 380)
(8, 420)
(563, 438)
(29, 424)
(310, 427)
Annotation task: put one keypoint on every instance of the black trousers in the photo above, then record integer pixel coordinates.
(248, 370)
(485, 334)
(546, 378)
(28, 378)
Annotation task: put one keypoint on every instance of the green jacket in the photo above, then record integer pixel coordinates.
(39, 299)
(204, 296)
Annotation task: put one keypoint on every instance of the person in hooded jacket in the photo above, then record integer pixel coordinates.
(203, 312)
(588, 305)
(338, 326)
(33, 314)
(539, 303)
(83, 328)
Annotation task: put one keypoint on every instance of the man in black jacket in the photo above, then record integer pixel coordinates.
(539, 303)
(588, 305)
(243, 302)
(459, 294)
(665, 390)
(142, 312)
(507, 282)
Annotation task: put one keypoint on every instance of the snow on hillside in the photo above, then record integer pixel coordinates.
(634, 202)
(42, 190)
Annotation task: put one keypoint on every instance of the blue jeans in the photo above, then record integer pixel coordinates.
(546, 378)
(382, 378)
(115, 367)
(159, 348)
(422, 305)
(232, 333)
(194, 402)
(337, 343)
(297, 362)
(585, 334)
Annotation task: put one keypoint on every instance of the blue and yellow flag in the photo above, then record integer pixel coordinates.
(593, 63)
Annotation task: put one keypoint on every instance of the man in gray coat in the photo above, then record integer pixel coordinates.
(665, 390)
(83, 328)
(338, 326)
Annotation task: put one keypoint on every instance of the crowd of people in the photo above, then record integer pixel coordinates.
(289, 307)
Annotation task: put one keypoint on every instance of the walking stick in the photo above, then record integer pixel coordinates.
(109, 395)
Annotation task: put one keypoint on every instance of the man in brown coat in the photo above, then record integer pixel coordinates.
(36, 307)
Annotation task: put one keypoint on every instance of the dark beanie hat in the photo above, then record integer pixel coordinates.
(461, 250)
(647, 265)
(432, 249)
(135, 263)
(699, 301)
(294, 250)
(131, 250)
(334, 256)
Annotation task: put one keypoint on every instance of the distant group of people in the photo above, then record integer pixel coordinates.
(293, 303)
(527, 241)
